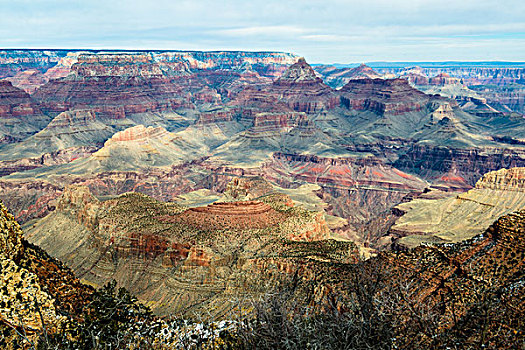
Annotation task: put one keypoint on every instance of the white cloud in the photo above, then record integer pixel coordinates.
(323, 31)
(281, 30)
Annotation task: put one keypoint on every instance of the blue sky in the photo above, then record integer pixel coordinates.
(323, 31)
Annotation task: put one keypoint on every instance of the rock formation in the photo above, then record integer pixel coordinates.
(461, 216)
(28, 80)
(20, 116)
(35, 289)
(162, 251)
(338, 77)
(141, 146)
(298, 89)
(450, 280)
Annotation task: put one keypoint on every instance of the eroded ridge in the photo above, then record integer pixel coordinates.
(231, 215)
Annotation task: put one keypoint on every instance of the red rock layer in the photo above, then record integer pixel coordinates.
(15, 102)
(469, 164)
(112, 96)
(28, 80)
(298, 89)
(443, 79)
(235, 215)
(384, 96)
(343, 172)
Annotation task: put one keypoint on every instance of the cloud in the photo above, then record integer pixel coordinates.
(323, 31)
(278, 30)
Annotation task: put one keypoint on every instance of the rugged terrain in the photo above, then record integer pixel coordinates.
(170, 123)
(461, 216)
(36, 290)
(179, 259)
(198, 180)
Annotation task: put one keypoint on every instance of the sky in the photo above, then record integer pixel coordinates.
(329, 31)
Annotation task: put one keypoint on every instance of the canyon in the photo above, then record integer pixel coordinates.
(195, 179)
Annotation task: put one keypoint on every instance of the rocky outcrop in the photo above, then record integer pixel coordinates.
(462, 216)
(298, 89)
(512, 179)
(231, 215)
(471, 75)
(169, 255)
(31, 301)
(383, 96)
(450, 280)
(28, 80)
(20, 116)
(62, 156)
(344, 172)
(469, 164)
(78, 130)
(14, 61)
(361, 191)
(299, 73)
(10, 235)
(114, 97)
(270, 64)
(501, 86)
(443, 79)
(141, 146)
(338, 77)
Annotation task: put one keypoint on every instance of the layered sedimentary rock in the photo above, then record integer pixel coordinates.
(501, 86)
(141, 146)
(390, 96)
(20, 116)
(68, 130)
(443, 79)
(113, 96)
(28, 80)
(361, 191)
(61, 156)
(178, 259)
(461, 216)
(264, 63)
(14, 61)
(344, 172)
(467, 165)
(298, 89)
(236, 215)
(470, 74)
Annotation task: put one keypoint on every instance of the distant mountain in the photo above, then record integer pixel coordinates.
(338, 77)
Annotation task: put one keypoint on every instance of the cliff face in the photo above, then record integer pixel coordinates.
(501, 86)
(461, 216)
(28, 80)
(361, 191)
(138, 147)
(467, 165)
(384, 97)
(162, 123)
(112, 96)
(14, 61)
(338, 77)
(20, 116)
(298, 89)
(264, 63)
